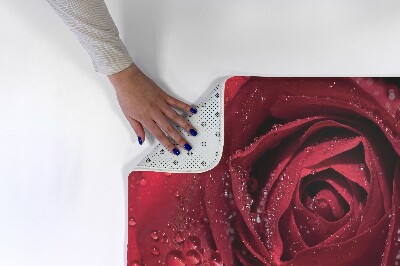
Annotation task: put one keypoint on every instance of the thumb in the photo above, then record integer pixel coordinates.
(138, 128)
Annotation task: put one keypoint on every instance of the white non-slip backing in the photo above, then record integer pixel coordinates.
(207, 146)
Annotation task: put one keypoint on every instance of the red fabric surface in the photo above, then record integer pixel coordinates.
(311, 178)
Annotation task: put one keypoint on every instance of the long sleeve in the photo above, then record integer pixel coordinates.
(95, 29)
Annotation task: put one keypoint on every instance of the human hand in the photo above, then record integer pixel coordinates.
(144, 103)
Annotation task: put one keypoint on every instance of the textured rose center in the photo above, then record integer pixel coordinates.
(310, 181)
(322, 199)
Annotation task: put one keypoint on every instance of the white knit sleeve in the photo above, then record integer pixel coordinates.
(91, 22)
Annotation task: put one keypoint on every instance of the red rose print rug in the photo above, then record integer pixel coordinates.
(289, 171)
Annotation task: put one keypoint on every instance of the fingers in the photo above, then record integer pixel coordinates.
(171, 131)
(179, 104)
(138, 128)
(177, 118)
(154, 129)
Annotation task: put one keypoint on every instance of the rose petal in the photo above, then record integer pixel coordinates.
(290, 235)
(279, 199)
(295, 107)
(390, 255)
(219, 208)
(324, 151)
(232, 86)
(350, 252)
(256, 249)
(154, 205)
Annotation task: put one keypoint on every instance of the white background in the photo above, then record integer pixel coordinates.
(65, 147)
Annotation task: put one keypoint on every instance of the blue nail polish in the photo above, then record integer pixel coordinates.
(140, 140)
(187, 146)
(193, 132)
(194, 111)
(176, 151)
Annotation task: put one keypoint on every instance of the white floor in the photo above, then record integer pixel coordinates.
(65, 147)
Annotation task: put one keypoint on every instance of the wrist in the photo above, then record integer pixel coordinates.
(122, 77)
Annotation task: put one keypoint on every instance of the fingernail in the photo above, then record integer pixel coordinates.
(187, 146)
(194, 111)
(176, 151)
(140, 140)
(193, 132)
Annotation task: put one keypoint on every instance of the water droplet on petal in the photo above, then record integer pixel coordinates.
(143, 182)
(155, 251)
(135, 263)
(179, 237)
(175, 258)
(193, 257)
(154, 235)
(362, 167)
(313, 172)
(392, 94)
(132, 221)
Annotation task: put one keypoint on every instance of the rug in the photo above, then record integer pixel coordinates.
(284, 171)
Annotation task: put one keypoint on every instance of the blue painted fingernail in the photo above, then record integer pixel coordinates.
(194, 111)
(187, 146)
(193, 132)
(176, 151)
(140, 140)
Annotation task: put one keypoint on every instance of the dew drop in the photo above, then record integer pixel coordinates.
(392, 94)
(313, 172)
(132, 221)
(362, 167)
(193, 257)
(179, 237)
(155, 251)
(175, 258)
(135, 263)
(143, 182)
(154, 235)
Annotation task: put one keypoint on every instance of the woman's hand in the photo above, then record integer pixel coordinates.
(145, 104)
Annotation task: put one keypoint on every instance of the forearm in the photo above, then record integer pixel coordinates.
(95, 29)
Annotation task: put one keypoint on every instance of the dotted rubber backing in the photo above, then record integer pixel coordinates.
(206, 146)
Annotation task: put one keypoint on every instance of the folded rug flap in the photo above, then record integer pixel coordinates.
(207, 145)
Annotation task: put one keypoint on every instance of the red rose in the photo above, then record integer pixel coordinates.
(311, 178)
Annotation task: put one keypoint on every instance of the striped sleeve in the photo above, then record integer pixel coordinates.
(91, 22)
